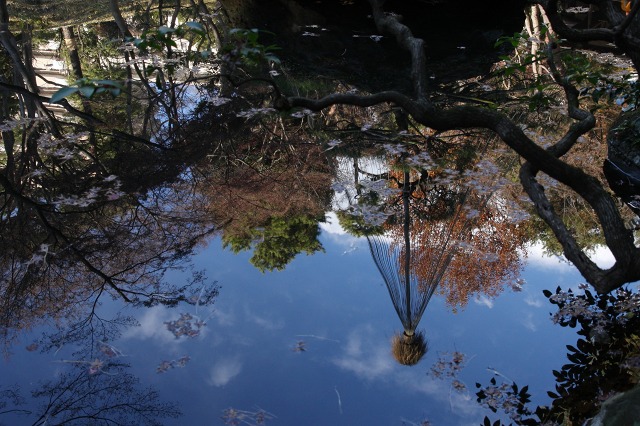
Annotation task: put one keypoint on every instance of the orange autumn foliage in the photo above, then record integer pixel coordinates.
(475, 251)
(625, 5)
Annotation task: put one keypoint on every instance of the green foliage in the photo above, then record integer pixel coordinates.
(278, 242)
(523, 60)
(158, 40)
(88, 87)
(600, 82)
(98, 53)
(162, 38)
(356, 225)
(243, 47)
(603, 362)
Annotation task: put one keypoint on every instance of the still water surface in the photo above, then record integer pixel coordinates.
(311, 344)
(307, 345)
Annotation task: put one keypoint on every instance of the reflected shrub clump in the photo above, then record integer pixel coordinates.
(408, 349)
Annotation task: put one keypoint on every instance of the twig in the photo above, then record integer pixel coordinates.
(317, 337)
(497, 373)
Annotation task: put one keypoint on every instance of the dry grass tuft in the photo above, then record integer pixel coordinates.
(408, 350)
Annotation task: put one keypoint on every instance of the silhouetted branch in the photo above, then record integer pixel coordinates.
(619, 239)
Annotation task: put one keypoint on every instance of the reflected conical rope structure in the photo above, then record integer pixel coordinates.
(412, 270)
(445, 234)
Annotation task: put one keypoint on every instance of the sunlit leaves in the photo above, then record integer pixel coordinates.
(88, 87)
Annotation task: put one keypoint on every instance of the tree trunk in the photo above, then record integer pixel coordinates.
(68, 34)
(117, 16)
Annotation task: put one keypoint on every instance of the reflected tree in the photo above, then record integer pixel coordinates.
(423, 107)
(462, 255)
(266, 182)
(426, 233)
(85, 206)
(279, 241)
(408, 295)
(93, 388)
(465, 237)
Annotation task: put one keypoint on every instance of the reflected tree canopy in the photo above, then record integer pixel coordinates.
(93, 386)
(178, 121)
(193, 87)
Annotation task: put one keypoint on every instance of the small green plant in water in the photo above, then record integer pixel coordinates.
(244, 47)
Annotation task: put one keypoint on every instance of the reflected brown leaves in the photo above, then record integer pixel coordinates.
(464, 240)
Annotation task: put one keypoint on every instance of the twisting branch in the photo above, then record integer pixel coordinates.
(425, 112)
(406, 40)
(618, 33)
(586, 120)
(563, 30)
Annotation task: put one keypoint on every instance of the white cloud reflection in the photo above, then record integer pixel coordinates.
(223, 371)
(536, 257)
(331, 224)
(224, 317)
(534, 301)
(529, 323)
(368, 356)
(483, 300)
(334, 231)
(263, 321)
(152, 326)
(363, 358)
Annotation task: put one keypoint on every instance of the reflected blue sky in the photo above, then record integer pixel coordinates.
(336, 303)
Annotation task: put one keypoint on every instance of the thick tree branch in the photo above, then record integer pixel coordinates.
(564, 31)
(618, 238)
(619, 33)
(405, 39)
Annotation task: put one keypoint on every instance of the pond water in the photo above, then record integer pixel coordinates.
(175, 251)
(311, 344)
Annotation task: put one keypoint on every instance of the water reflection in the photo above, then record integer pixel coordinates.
(112, 396)
(409, 297)
(426, 234)
(93, 382)
(95, 207)
(603, 362)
